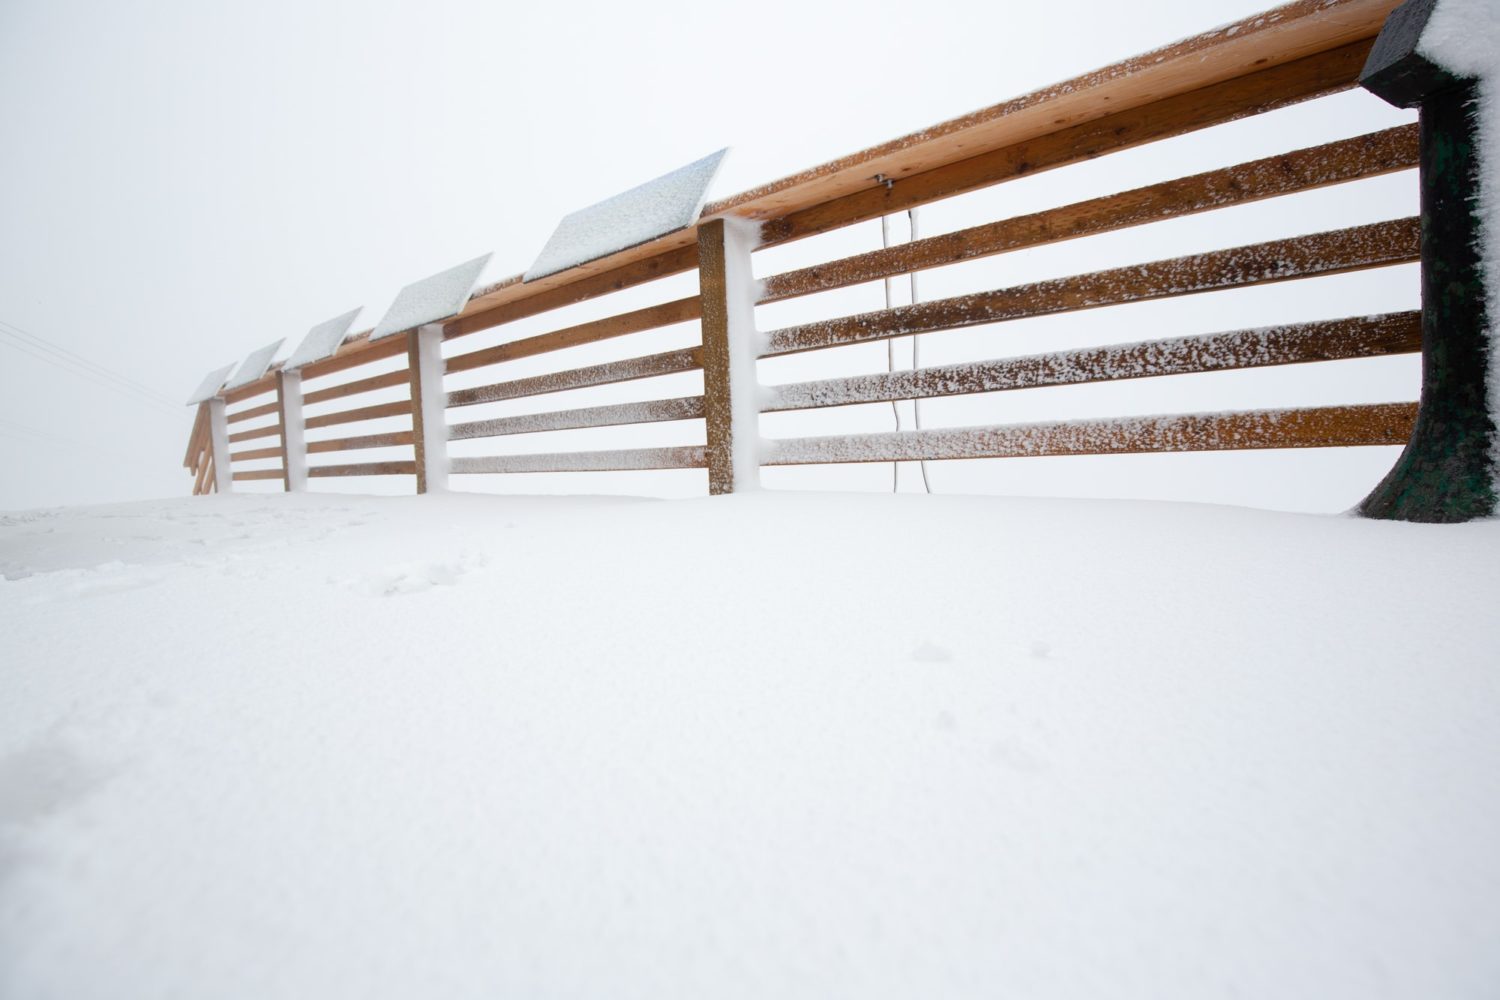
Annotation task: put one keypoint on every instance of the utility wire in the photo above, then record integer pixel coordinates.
(93, 373)
(73, 357)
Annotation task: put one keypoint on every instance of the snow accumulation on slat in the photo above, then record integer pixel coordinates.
(778, 745)
(438, 297)
(322, 340)
(210, 386)
(617, 460)
(656, 208)
(682, 408)
(254, 366)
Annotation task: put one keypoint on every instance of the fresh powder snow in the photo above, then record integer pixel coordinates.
(664, 205)
(210, 385)
(322, 340)
(789, 745)
(436, 298)
(255, 365)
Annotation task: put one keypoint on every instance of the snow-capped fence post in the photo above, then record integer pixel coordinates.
(1448, 470)
(424, 358)
(218, 431)
(731, 405)
(293, 431)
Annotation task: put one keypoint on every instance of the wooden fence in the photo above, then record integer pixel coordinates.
(1299, 52)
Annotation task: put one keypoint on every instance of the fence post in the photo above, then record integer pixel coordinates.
(1447, 472)
(293, 436)
(429, 423)
(731, 391)
(218, 429)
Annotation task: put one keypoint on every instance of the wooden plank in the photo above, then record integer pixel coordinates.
(357, 350)
(414, 382)
(266, 383)
(383, 381)
(257, 474)
(270, 430)
(625, 460)
(637, 321)
(201, 477)
(393, 439)
(666, 363)
(1282, 86)
(684, 408)
(1285, 34)
(1374, 245)
(512, 299)
(365, 469)
(396, 409)
(283, 399)
(253, 411)
(195, 437)
(1322, 427)
(254, 453)
(1305, 169)
(209, 482)
(1328, 340)
(714, 291)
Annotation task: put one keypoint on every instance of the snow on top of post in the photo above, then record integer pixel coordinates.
(664, 205)
(1461, 36)
(436, 298)
(322, 340)
(210, 385)
(254, 366)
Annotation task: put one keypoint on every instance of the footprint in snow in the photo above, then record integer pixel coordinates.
(412, 578)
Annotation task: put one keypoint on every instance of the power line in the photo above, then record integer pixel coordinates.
(67, 356)
(124, 390)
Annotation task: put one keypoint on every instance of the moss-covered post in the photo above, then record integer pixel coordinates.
(1447, 471)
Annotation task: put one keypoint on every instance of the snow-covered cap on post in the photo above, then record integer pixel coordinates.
(670, 202)
(254, 366)
(322, 340)
(439, 297)
(209, 387)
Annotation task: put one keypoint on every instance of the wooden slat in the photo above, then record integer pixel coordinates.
(684, 408)
(1329, 340)
(254, 453)
(259, 432)
(649, 318)
(395, 409)
(407, 468)
(266, 383)
(258, 474)
(666, 363)
(1342, 250)
(200, 476)
(353, 352)
(512, 299)
(1282, 86)
(391, 440)
(253, 411)
(1305, 169)
(384, 381)
(626, 460)
(1323, 427)
(195, 436)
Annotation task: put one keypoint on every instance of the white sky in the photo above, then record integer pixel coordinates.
(185, 181)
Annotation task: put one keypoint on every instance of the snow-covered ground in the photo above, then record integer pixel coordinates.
(756, 746)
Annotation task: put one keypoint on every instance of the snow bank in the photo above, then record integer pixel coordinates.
(765, 745)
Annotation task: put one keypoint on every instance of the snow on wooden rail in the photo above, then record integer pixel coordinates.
(1296, 53)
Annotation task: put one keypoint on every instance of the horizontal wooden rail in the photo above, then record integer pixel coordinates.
(254, 411)
(407, 468)
(638, 321)
(1303, 170)
(357, 350)
(396, 409)
(392, 440)
(1300, 343)
(384, 381)
(1278, 87)
(272, 430)
(1323, 427)
(667, 363)
(258, 474)
(1375, 245)
(684, 408)
(254, 453)
(624, 460)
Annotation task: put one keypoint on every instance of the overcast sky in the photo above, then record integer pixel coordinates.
(185, 181)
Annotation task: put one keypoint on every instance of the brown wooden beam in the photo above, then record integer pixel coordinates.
(1342, 250)
(684, 408)
(624, 460)
(650, 366)
(383, 381)
(391, 440)
(407, 468)
(1299, 343)
(637, 321)
(396, 409)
